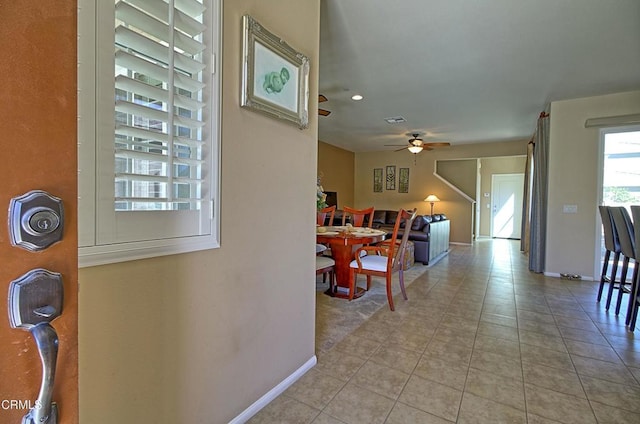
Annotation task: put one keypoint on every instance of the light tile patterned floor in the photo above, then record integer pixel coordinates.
(481, 340)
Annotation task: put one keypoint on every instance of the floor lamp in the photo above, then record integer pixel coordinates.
(432, 198)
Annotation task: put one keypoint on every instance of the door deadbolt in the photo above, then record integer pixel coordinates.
(35, 220)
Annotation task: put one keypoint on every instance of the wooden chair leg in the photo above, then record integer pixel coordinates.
(632, 316)
(352, 283)
(401, 278)
(632, 293)
(623, 280)
(612, 279)
(634, 313)
(368, 282)
(603, 275)
(389, 294)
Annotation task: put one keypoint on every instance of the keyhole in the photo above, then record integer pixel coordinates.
(44, 221)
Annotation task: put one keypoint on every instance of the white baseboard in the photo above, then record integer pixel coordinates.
(274, 393)
(457, 243)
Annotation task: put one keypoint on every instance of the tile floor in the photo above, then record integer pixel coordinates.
(481, 340)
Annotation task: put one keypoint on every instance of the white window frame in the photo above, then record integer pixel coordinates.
(131, 235)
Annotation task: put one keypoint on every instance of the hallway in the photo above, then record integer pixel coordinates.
(480, 340)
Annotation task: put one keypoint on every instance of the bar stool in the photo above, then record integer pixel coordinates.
(626, 235)
(634, 300)
(612, 245)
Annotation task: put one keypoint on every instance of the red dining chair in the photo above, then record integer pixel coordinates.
(358, 216)
(373, 263)
(322, 215)
(326, 265)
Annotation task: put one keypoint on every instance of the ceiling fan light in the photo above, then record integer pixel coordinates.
(415, 149)
(356, 97)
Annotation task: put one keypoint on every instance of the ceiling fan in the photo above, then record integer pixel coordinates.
(416, 145)
(323, 112)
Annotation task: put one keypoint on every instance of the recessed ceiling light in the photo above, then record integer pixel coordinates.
(356, 97)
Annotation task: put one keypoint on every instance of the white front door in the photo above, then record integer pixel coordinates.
(506, 197)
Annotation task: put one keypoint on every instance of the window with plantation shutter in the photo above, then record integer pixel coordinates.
(156, 128)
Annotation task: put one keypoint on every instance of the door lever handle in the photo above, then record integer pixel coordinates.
(44, 411)
(35, 299)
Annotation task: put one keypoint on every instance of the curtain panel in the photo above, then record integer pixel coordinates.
(526, 200)
(538, 225)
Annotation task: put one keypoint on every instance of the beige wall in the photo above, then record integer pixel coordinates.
(336, 166)
(422, 182)
(573, 171)
(197, 338)
(489, 167)
(462, 173)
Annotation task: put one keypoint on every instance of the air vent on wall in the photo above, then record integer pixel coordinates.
(395, 120)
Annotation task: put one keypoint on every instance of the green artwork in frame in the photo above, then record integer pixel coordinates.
(377, 180)
(403, 180)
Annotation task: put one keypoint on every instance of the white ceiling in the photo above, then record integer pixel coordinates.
(467, 71)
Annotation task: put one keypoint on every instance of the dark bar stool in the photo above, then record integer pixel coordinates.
(612, 245)
(634, 300)
(626, 235)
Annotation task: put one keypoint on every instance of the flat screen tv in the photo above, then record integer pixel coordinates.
(332, 198)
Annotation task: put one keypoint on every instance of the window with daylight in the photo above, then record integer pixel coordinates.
(156, 126)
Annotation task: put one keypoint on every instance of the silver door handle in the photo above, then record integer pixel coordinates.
(44, 411)
(35, 299)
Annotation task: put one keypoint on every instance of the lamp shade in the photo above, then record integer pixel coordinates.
(432, 198)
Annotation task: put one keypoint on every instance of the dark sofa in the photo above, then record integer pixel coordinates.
(429, 233)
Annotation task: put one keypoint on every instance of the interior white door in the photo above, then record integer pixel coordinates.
(506, 196)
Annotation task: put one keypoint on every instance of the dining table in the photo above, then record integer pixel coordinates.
(343, 242)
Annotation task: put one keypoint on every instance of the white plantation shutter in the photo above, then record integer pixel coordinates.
(156, 128)
(159, 103)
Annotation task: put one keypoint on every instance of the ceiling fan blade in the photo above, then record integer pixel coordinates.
(400, 149)
(395, 145)
(324, 112)
(322, 98)
(438, 144)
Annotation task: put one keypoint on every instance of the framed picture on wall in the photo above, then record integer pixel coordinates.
(275, 77)
(391, 177)
(377, 180)
(403, 180)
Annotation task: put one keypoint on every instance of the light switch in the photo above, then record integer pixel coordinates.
(570, 209)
